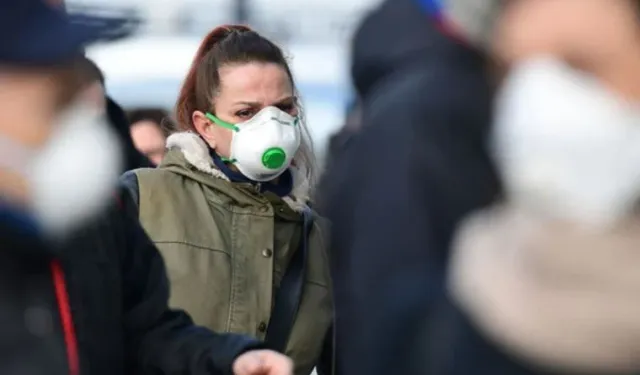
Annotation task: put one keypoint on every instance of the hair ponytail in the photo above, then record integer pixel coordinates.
(187, 101)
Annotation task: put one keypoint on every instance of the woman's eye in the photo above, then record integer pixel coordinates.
(245, 113)
(287, 108)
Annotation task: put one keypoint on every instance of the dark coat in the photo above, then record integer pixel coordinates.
(96, 303)
(418, 166)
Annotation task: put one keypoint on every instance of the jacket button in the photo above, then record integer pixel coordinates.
(267, 253)
(262, 327)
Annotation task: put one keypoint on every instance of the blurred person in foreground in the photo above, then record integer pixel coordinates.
(525, 294)
(82, 289)
(93, 88)
(228, 206)
(146, 127)
(418, 165)
(551, 273)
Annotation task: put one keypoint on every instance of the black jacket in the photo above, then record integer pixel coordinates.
(418, 166)
(98, 299)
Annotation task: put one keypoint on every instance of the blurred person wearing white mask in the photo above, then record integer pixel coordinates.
(551, 274)
(82, 289)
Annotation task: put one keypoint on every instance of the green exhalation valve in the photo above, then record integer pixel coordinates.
(274, 158)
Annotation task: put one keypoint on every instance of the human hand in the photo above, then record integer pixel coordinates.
(262, 362)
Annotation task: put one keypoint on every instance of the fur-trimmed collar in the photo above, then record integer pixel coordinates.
(196, 152)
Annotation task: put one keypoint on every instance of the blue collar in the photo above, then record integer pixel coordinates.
(282, 188)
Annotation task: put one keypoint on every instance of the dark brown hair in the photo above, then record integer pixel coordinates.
(69, 81)
(89, 72)
(224, 45)
(156, 115)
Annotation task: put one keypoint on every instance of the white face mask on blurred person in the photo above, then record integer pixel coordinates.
(73, 175)
(565, 145)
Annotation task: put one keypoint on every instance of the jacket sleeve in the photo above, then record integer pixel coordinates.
(160, 340)
(326, 363)
(129, 183)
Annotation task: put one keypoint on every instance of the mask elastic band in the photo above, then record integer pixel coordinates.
(224, 124)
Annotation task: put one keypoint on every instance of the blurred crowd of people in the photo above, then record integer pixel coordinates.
(477, 211)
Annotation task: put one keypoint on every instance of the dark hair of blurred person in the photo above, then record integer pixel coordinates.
(82, 289)
(89, 71)
(147, 131)
(236, 178)
(92, 80)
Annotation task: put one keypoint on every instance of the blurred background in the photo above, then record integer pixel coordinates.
(145, 70)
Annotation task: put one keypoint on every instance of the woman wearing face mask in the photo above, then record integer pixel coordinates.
(228, 205)
(551, 275)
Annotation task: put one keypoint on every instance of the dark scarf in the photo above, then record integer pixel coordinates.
(281, 188)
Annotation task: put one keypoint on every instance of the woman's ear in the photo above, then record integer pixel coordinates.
(204, 127)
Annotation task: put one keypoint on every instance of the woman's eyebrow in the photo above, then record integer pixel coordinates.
(258, 104)
(250, 104)
(285, 99)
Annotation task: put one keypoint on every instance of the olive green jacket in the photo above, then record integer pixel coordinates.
(226, 247)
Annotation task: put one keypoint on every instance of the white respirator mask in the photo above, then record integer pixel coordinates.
(74, 174)
(263, 147)
(566, 145)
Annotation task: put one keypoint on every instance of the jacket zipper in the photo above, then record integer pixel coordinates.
(66, 317)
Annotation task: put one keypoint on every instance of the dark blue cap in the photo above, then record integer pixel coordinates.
(431, 7)
(40, 33)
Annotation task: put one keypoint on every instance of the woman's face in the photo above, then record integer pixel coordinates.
(600, 37)
(245, 89)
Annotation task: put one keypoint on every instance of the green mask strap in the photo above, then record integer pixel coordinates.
(226, 125)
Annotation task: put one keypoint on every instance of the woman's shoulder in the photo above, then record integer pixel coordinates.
(131, 181)
(144, 176)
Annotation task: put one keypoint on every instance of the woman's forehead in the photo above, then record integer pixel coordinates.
(254, 82)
